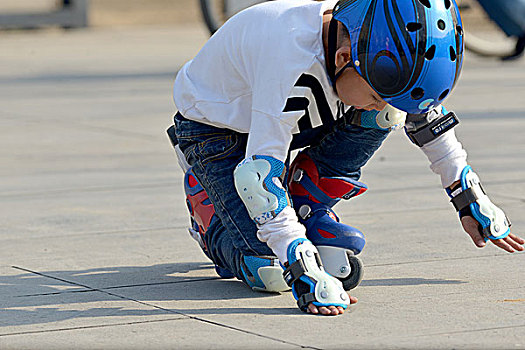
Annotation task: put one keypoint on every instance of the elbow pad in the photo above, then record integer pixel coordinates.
(258, 181)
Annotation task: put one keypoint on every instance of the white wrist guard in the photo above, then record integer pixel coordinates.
(258, 181)
(494, 223)
(309, 281)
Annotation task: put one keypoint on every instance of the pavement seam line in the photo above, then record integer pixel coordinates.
(470, 330)
(137, 230)
(168, 310)
(90, 327)
(119, 287)
(34, 194)
(438, 260)
(104, 130)
(91, 233)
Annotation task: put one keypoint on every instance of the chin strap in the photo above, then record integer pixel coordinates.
(332, 49)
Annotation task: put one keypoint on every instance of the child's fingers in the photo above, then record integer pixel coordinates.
(324, 310)
(514, 243)
(312, 309)
(517, 238)
(503, 245)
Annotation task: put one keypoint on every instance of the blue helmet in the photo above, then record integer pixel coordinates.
(409, 51)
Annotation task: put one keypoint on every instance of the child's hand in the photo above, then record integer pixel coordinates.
(329, 310)
(511, 243)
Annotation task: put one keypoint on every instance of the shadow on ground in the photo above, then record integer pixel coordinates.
(390, 282)
(43, 297)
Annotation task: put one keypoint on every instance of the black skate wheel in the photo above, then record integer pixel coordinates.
(356, 274)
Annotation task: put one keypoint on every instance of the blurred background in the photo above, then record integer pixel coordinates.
(102, 13)
(485, 37)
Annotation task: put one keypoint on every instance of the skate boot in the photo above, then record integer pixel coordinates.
(202, 214)
(313, 198)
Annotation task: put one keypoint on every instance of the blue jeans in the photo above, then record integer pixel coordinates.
(215, 152)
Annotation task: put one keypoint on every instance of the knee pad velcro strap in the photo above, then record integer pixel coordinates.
(494, 222)
(258, 181)
(308, 279)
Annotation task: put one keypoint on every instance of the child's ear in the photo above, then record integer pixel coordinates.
(342, 56)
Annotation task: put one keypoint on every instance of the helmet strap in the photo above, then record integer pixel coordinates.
(338, 74)
(332, 48)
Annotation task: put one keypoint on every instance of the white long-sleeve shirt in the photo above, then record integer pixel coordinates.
(243, 76)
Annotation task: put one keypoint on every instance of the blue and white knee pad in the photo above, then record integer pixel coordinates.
(471, 199)
(263, 274)
(308, 279)
(258, 181)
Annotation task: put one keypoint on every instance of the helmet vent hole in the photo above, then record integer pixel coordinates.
(425, 3)
(452, 54)
(417, 93)
(444, 94)
(441, 24)
(447, 4)
(430, 52)
(414, 26)
(459, 29)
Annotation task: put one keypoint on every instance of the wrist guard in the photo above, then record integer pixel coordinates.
(309, 281)
(470, 199)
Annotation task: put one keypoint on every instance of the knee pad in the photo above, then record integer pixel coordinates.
(258, 181)
(304, 181)
(263, 273)
(200, 207)
(202, 214)
(308, 279)
(314, 196)
(494, 223)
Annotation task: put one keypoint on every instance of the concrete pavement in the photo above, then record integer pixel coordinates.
(94, 251)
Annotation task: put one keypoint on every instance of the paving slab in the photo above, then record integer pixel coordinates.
(146, 335)
(94, 251)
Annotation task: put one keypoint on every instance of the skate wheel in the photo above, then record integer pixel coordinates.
(356, 274)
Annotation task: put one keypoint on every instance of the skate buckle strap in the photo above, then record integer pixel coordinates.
(494, 223)
(300, 176)
(350, 186)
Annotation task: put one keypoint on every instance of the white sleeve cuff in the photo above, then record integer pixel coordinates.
(447, 157)
(279, 232)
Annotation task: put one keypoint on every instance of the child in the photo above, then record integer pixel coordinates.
(278, 77)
